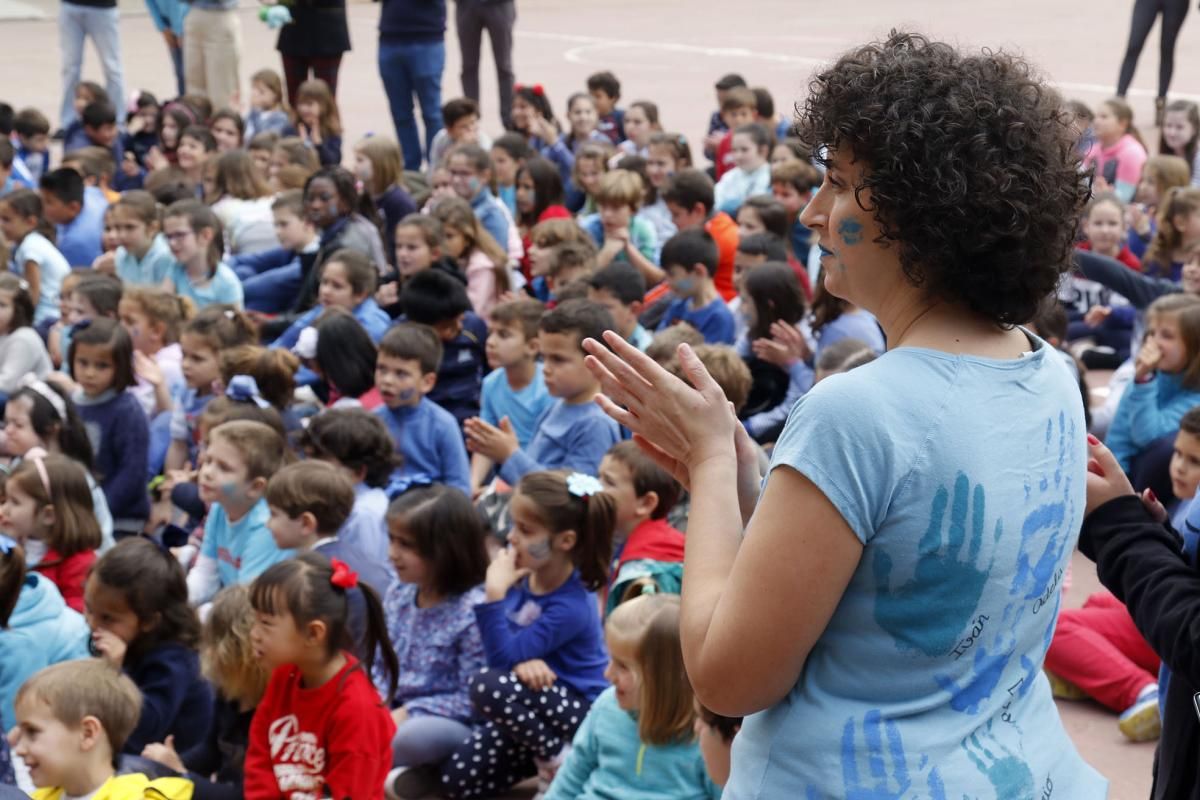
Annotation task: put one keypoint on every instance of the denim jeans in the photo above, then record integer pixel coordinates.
(75, 24)
(273, 291)
(407, 68)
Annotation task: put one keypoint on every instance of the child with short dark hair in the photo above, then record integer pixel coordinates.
(740, 107)
(32, 140)
(426, 434)
(436, 545)
(137, 607)
(514, 392)
(689, 198)
(460, 118)
(715, 735)
(649, 552)
(310, 501)
(605, 90)
(573, 433)
(716, 123)
(101, 359)
(620, 289)
(437, 299)
(690, 258)
(358, 443)
(793, 184)
(571, 265)
(77, 213)
(239, 458)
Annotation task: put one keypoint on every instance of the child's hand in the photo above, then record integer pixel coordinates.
(713, 140)
(1105, 478)
(165, 754)
(109, 646)
(399, 716)
(63, 381)
(535, 674)
(1137, 218)
(129, 165)
(502, 573)
(620, 234)
(313, 133)
(544, 129)
(156, 160)
(1096, 315)
(106, 263)
(498, 444)
(147, 369)
(388, 294)
(1147, 360)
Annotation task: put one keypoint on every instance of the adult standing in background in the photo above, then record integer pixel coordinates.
(412, 55)
(1144, 13)
(168, 17)
(497, 17)
(313, 43)
(212, 51)
(99, 19)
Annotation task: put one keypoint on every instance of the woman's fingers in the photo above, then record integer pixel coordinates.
(621, 415)
(697, 373)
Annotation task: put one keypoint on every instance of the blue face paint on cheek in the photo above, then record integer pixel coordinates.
(406, 395)
(230, 489)
(539, 550)
(851, 231)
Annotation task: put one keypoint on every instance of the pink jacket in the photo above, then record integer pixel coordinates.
(481, 283)
(1129, 156)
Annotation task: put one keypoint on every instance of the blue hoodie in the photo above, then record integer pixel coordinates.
(608, 759)
(41, 631)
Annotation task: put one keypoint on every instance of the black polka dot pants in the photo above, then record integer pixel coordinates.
(519, 725)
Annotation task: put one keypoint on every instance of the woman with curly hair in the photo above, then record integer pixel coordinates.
(882, 609)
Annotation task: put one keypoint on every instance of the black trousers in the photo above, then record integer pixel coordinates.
(1144, 13)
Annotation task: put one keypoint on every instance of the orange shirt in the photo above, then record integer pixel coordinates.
(725, 233)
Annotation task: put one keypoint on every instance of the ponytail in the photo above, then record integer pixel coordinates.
(574, 501)
(304, 588)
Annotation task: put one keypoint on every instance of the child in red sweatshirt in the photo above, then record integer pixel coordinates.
(322, 729)
(647, 552)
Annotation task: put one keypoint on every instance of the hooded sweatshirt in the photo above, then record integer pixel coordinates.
(41, 631)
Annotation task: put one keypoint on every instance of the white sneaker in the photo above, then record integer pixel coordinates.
(547, 768)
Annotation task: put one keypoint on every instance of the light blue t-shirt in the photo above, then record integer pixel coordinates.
(52, 268)
(964, 479)
(223, 288)
(151, 269)
(523, 408)
(243, 549)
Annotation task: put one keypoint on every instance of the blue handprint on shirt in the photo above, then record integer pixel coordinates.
(931, 610)
(1008, 774)
(888, 775)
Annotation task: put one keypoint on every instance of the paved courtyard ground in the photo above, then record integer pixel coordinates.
(671, 51)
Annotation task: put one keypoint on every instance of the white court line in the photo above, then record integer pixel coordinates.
(587, 44)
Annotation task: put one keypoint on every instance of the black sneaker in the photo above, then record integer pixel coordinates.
(411, 783)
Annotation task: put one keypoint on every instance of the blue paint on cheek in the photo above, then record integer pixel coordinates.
(539, 550)
(407, 394)
(230, 489)
(851, 231)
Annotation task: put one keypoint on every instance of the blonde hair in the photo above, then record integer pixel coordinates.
(387, 165)
(1180, 201)
(87, 687)
(167, 309)
(261, 447)
(551, 232)
(649, 624)
(1185, 310)
(621, 187)
(1167, 172)
(270, 79)
(226, 653)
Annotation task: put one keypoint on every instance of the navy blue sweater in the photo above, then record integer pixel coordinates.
(120, 436)
(176, 700)
(460, 376)
(412, 20)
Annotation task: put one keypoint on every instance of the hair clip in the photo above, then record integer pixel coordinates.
(43, 390)
(229, 314)
(38, 456)
(538, 90)
(343, 577)
(306, 344)
(7, 544)
(23, 285)
(244, 389)
(580, 484)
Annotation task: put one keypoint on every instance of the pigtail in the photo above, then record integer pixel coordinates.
(593, 545)
(377, 646)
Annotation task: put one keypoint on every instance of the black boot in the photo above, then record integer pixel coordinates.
(1160, 104)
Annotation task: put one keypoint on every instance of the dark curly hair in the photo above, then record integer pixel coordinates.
(970, 167)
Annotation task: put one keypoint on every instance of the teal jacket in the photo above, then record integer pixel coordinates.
(609, 762)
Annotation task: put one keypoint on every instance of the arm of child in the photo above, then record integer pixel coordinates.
(329, 151)
(258, 776)
(581, 762)
(587, 442)
(125, 486)
(358, 749)
(481, 466)
(1140, 290)
(177, 455)
(640, 255)
(505, 648)
(1147, 419)
(21, 359)
(33, 276)
(202, 579)
(163, 693)
(470, 661)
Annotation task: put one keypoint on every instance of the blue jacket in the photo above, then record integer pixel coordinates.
(431, 444)
(41, 631)
(176, 699)
(490, 213)
(608, 759)
(79, 239)
(374, 320)
(1148, 411)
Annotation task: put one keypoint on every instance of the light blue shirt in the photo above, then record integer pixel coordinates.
(243, 549)
(523, 408)
(151, 269)
(573, 437)
(963, 477)
(366, 527)
(223, 288)
(736, 185)
(79, 239)
(52, 268)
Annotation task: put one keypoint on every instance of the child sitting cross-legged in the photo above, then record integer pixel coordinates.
(72, 720)
(426, 435)
(239, 458)
(573, 433)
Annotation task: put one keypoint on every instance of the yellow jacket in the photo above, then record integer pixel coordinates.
(131, 787)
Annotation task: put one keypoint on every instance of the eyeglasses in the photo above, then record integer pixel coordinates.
(177, 236)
